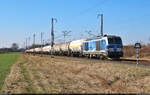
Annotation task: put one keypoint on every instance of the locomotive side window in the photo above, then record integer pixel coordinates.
(98, 45)
(103, 45)
(86, 46)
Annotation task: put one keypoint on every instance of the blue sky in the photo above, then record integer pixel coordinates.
(19, 19)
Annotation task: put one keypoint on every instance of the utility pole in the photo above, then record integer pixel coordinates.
(29, 43)
(26, 43)
(41, 43)
(101, 27)
(24, 46)
(65, 33)
(52, 36)
(34, 44)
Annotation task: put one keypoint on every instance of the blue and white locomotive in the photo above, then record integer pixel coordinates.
(107, 46)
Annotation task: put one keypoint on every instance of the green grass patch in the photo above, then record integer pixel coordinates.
(6, 61)
(29, 88)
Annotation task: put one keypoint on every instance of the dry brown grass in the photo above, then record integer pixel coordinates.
(129, 51)
(34, 74)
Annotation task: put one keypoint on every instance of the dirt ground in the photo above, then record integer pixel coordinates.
(35, 74)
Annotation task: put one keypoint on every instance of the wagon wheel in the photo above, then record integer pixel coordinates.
(101, 57)
(88, 55)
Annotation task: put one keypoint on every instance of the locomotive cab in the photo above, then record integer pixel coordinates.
(114, 47)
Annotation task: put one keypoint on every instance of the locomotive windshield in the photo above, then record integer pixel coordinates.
(114, 40)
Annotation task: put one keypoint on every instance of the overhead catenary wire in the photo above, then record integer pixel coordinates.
(80, 13)
(91, 8)
(90, 34)
(65, 34)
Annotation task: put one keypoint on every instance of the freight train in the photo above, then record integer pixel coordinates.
(107, 46)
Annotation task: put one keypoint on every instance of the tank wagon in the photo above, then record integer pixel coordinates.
(61, 49)
(46, 49)
(76, 47)
(29, 51)
(107, 46)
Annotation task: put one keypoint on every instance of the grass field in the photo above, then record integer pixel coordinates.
(6, 61)
(35, 74)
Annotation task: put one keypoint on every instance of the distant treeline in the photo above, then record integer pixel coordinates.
(36, 46)
(6, 50)
(130, 51)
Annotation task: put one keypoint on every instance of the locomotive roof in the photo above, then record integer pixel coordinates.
(100, 37)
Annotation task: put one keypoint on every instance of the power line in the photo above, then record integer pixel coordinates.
(91, 8)
(65, 34)
(89, 33)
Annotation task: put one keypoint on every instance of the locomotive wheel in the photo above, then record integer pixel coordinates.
(88, 55)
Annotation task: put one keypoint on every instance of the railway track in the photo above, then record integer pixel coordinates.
(131, 62)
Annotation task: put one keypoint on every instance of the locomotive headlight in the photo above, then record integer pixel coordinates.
(110, 49)
(119, 49)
